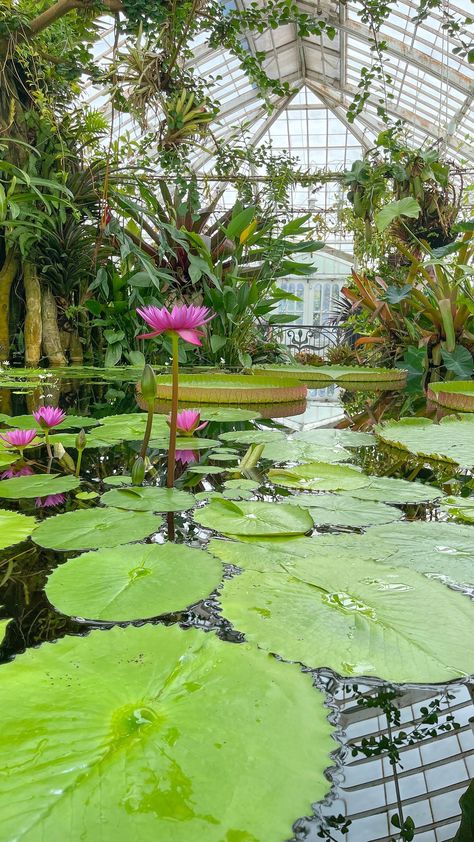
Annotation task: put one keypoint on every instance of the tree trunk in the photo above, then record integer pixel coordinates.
(33, 323)
(51, 338)
(7, 276)
(76, 354)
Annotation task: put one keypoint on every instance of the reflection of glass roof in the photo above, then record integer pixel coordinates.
(433, 92)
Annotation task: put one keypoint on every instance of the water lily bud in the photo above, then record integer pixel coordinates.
(148, 384)
(65, 460)
(138, 471)
(81, 440)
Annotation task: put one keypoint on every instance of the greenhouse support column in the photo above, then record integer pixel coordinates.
(7, 276)
(51, 338)
(33, 323)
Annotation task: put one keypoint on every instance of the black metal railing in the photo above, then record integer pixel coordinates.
(316, 339)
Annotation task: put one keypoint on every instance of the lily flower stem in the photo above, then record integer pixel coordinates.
(48, 446)
(147, 436)
(78, 463)
(174, 412)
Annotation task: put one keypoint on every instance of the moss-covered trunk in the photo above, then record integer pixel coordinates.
(33, 322)
(7, 276)
(51, 337)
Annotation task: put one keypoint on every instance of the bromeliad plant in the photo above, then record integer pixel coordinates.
(181, 322)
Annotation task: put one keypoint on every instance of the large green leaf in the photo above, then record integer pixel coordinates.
(300, 451)
(246, 437)
(319, 476)
(402, 207)
(392, 490)
(14, 527)
(351, 376)
(148, 499)
(342, 510)
(225, 414)
(326, 607)
(90, 529)
(461, 508)
(132, 583)
(440, 550)
(335, 438)
(451, 439)
(189, 443)
(131, 734)
(241, 389)
(253, 518)
(36, 485)
(458, 394)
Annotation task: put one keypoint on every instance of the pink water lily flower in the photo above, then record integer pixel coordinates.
(25, 471)
(186, 457)
(18, 438)
(49, 416)
(50, 500)
(183, 319)
(187, 422)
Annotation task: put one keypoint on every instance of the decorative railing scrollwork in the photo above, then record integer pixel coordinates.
(316, 339)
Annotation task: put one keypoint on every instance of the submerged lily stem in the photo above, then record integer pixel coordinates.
(174, 412)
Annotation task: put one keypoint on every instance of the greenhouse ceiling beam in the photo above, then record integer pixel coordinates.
(338, 96)
(455, 121)
(340, 113)
(407, 53)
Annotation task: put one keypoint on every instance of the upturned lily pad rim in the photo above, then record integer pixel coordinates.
(337, 373)
(455, 394)
(229, 389)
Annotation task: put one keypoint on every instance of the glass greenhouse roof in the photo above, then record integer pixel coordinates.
(433, 92)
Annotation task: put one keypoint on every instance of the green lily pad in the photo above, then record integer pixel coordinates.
(240, 389)
(148, 499)
(342, 510)
(71, 422)
(248, 484)
(461, 508)
(246, 437)
(335, 438)
(319, 476)
(450, 440)
(227, 494)
(456, 394)
(328, 608)
(350, 375)
(224, 457)
(227, 414)
(148, 717)
(14, 527)
(117, 480)
(190, 443)
(253, 518)
(300, 451)
(91, 529)
(132, 583)
(87, 495)
(391, 490)
(443, 551)
(94, 438)
(205, 469)
(37, 485)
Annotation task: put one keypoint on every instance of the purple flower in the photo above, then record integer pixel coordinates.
(50, 500)
(18, 438)
(49, 416)
(187, 422)
(182, 319)
(186, 457)
(25, 471)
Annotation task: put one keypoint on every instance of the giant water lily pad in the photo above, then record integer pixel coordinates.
(458, 394)
(148, 499)
(131, 734)
(440, 550)
(342, 510)
(246, 437)
(36, 485)
(319, 476)
(90, 529)
(188, 443)
(450, 440)
(329, 608)
(347, 375)
(239, 389)
(14, 527)
(132, 583)
(253, 518)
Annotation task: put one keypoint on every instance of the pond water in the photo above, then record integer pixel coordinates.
(400, 749)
